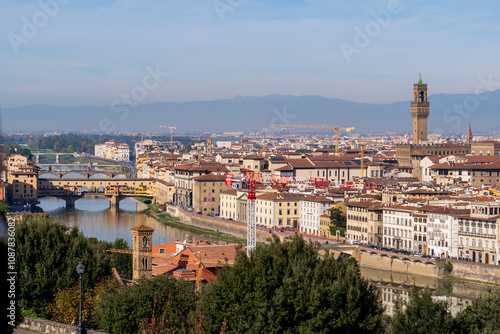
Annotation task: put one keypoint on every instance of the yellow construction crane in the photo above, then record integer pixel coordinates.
(172, 128)
(335, 128)
(363, 154)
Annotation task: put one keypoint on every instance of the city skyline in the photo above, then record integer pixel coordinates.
(65, 54)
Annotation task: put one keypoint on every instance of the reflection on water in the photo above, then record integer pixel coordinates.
(96, 218)
(394, 285)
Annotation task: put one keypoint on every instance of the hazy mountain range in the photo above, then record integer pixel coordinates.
(448, 113)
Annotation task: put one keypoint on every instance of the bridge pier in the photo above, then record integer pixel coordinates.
(37, 159)
(114, 200)
(57, 158)
(70, 203)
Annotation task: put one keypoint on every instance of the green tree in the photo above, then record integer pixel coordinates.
(448, 266)
(422, 314)
(336, 218)
(4, 209)
(66, 303)
(483, 316)
(122, 310)
(287, 288)
(121, 262)
(47, 256)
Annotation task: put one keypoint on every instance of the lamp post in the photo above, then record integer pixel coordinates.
(80, 268)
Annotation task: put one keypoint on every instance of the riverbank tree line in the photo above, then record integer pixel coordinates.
(77, 143)
(284, 287)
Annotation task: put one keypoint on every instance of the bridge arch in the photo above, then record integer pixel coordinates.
(48, 175)
(72, 174)
(99, 176)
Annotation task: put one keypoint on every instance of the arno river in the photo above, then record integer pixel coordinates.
(96, 219)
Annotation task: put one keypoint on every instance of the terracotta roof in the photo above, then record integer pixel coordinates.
(488, 142)
(450, 211)
(474, 159)
(317, 199)
(164, 269)
(462, 166)
(164, 182)
(209, 255)
(253, 157)
(433, 158)
(142, 228)
(300, 163)
(210, 177)
(284, 168)
(230, 191)
(281, 197)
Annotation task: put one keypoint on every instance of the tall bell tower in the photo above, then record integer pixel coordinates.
(419, 112)
(142, 251)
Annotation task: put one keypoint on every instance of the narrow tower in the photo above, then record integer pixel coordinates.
(468, 137)
(209, 147)
(142, 251)
(420, 112)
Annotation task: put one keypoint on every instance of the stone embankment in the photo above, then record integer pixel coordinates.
(50, 327)
(410, 266)
(476, 271)
(216, 224)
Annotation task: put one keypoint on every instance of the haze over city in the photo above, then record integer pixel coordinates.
(65, 53)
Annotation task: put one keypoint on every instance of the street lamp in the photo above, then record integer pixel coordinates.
(80, 268)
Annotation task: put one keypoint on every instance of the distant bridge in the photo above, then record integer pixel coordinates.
(113, 189)
(56, 154)
(87, 173)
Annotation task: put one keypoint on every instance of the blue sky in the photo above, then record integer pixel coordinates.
(93, 52)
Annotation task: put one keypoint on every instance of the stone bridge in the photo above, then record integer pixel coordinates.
(56, 154)
(113, 189)
(87, 173)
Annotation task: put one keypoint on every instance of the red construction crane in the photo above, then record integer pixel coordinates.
(252, 179)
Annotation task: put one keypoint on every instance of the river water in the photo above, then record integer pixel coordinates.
(96, 218)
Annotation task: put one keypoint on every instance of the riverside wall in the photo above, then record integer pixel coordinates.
(50, 327)
(406, 268)
(216, 224)
(476, 271)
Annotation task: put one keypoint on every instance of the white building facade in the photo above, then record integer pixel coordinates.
(398, 227)
(113, 151)
(311, 208)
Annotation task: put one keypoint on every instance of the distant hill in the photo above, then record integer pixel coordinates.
(254, 113)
